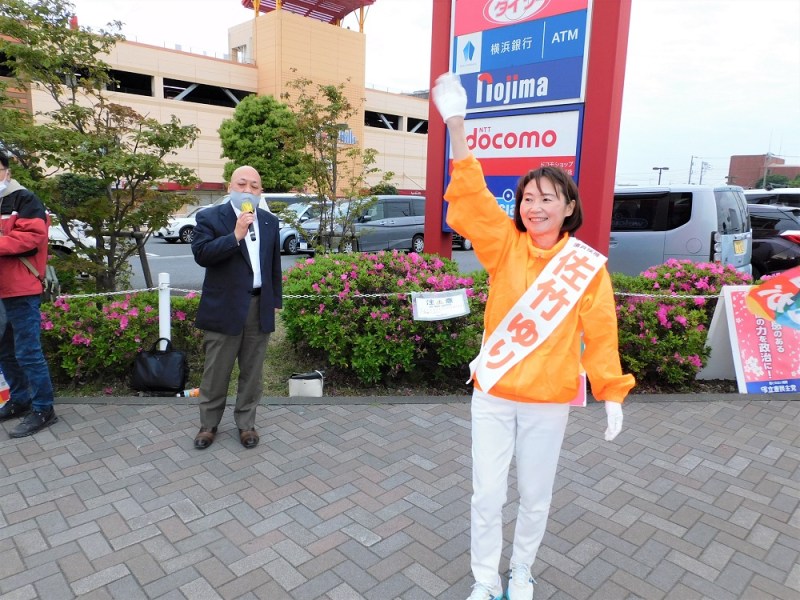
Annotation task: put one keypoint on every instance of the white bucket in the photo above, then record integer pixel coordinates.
(306, 384)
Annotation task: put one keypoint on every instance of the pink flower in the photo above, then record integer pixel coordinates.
(79, 340)
(180, 315)
(661, 313)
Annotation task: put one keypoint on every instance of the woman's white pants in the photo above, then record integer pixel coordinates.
(500, 429)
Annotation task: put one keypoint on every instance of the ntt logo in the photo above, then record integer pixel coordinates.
(511, 140)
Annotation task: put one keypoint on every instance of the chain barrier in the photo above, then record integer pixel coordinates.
(378, 295)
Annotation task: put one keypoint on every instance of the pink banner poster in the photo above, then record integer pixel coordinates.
(764, 352)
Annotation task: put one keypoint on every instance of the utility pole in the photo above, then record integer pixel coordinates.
(704, 166)
(691, 168)
(767, 156)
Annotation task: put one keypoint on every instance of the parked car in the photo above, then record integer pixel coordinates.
(61, 244)
(180, 228)
(650, 225)
(295, 213)
(776, 238)
(389, 223)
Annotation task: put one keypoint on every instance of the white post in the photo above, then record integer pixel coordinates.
(164, 312)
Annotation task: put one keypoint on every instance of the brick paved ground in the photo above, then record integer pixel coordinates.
(694, 500)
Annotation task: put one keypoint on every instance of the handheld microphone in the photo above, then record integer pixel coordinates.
(248, 207)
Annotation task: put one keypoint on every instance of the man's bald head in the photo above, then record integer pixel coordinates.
(245, 179)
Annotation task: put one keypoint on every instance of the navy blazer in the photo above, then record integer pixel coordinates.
(229, 274)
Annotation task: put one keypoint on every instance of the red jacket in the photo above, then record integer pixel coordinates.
(23, 232)
(549, 373)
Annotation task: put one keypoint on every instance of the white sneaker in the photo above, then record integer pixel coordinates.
(520, 583)
(481, 591)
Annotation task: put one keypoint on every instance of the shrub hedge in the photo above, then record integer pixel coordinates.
(355, 310)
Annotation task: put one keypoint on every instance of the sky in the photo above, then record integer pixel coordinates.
(704, 80)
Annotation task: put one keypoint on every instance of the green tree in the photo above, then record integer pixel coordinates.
(384, 189)
(773, 181)
(263, 134)
(338, 174)
(90, 159)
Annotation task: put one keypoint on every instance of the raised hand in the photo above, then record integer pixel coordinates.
(449, 96)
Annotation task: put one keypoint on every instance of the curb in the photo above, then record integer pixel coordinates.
(379, 400)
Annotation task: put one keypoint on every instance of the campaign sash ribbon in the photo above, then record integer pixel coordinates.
(538, 312)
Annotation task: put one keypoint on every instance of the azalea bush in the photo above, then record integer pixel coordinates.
(356, 309)
(97, 338)
(663, 317)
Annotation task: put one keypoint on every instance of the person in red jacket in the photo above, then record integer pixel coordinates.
(23, 234)
(549, 294)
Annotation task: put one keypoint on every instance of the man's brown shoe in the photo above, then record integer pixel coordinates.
(204, 438)
(248, 437)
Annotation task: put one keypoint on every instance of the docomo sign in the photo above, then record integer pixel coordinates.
(546, 134)
(511, 139)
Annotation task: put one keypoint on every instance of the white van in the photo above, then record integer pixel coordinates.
(780, 196)
(650, 225)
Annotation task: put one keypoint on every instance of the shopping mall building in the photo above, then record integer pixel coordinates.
(278, 44)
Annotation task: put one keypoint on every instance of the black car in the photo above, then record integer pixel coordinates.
(776, 238)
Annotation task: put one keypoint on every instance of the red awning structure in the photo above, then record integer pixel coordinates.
(328, 11)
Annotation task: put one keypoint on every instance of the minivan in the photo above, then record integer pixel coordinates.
(650, 225)
(390, 223)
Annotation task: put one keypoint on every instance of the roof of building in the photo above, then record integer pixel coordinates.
(328, 11)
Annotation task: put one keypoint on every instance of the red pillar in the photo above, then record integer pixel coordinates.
(437, 241)
(601, 120)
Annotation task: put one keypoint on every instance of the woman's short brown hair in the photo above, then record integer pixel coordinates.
(562, 180)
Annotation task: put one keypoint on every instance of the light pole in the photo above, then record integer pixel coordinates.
(659, 169)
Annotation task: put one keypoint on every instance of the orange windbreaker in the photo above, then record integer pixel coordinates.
(550, 373)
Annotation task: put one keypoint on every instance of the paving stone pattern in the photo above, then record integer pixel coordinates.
(693, 500)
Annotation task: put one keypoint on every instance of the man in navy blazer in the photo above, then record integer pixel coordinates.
(238, 244)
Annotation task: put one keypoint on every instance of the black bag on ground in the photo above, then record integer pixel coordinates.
(157, 370)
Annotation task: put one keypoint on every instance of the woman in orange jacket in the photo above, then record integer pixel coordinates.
(549, 294)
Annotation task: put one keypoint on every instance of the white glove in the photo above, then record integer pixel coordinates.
(614, 414)
(449, 96)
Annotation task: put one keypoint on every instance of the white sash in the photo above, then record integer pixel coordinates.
(538, 311)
